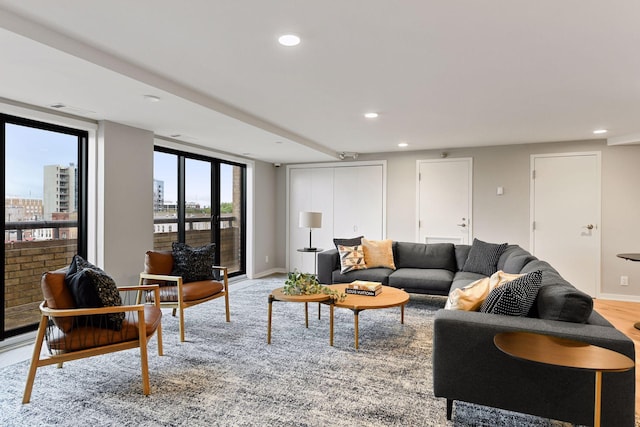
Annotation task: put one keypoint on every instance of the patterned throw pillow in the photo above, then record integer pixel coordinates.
(483, 257)
(351, 258)
(353, 241)
(91, 287)
(514, 298)
(471, 297)
(378, 253)
(193, 264)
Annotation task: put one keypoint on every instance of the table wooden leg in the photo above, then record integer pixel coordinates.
(598, 392)
(306, 314)
(319, 304)
(355, 326)
(402, 314)
(269, 320)
(330, 324)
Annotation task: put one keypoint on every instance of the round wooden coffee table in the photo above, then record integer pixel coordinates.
(278, 295)
(567, 353)
(389, 297)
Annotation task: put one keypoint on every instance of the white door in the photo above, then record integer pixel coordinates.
(444, 200)
(358, 202)
(565, 214)
(310, 190)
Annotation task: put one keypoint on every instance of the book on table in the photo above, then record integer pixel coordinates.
(363, 287)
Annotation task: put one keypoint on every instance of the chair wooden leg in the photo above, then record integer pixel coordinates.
(35, 358)
(144, 362)
(181, 323)
(226, 305)
(173, 312)
(159, 338)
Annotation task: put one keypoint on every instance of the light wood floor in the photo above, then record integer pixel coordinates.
(623, 315)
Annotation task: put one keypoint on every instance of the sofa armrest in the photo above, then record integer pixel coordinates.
(467, 366)
(328, 261)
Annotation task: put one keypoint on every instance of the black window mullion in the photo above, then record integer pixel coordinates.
(215, 208)
(182, 233)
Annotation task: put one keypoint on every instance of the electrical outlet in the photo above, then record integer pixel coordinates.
(624, 280)
(266, 259)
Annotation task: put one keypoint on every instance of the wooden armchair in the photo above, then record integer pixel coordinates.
(75, 333)
(178, 294)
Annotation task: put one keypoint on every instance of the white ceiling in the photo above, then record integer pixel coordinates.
(442, 74)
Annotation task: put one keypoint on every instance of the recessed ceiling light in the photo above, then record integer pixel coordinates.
(599, 131)
(403, 144)
(371, 115)
(289, 40)
(152, 98)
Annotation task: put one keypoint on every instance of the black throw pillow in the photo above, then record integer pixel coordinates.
(91, 287)
(483, 257)
(193, 264)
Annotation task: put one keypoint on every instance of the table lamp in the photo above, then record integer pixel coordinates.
(310, 220)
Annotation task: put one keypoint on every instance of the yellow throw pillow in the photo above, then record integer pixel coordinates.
(378, 253)
(471, 297)
(351, 258)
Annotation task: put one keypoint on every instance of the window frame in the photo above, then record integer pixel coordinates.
(215, 200)
(82, 188)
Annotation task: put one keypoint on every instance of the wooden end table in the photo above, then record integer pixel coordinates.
(566, 353)
(279, 295)
(635, 258)
(389, 297)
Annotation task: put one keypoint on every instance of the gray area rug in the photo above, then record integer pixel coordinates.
(227, 375)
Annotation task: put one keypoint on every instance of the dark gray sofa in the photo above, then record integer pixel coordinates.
(468, 367)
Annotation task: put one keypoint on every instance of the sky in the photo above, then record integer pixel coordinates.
(198, 178)
(28, 150)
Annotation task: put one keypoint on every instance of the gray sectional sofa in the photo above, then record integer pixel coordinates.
(468, 367)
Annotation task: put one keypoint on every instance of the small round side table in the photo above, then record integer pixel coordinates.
(631, 257)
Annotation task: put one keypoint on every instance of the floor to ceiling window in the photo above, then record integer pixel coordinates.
(44, 186)
(200, 200)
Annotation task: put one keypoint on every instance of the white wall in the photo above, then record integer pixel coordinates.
(265, 241)
(506, 218)
(125, 200)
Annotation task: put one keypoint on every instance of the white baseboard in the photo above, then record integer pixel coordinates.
(620, 297)
(269, 273)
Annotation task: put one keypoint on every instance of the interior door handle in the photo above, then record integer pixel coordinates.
(461, 225)
(589, 227)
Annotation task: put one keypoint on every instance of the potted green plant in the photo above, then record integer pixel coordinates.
(298, 283)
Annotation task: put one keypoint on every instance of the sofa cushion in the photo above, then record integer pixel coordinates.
(514, 298)
(537, 264)
(513, 259)
(471, 297)
(462, 253)
(351, 258)
(378, 253)
(369, 274)
(483, 257)
(464, 278)
(193, 264)
(435, 281)
(353, 241)
(563, 302)
(420, 255)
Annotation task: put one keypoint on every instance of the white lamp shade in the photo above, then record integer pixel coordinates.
(310, 220)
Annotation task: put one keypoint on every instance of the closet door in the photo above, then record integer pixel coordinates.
(310, 190)
(358, 202)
